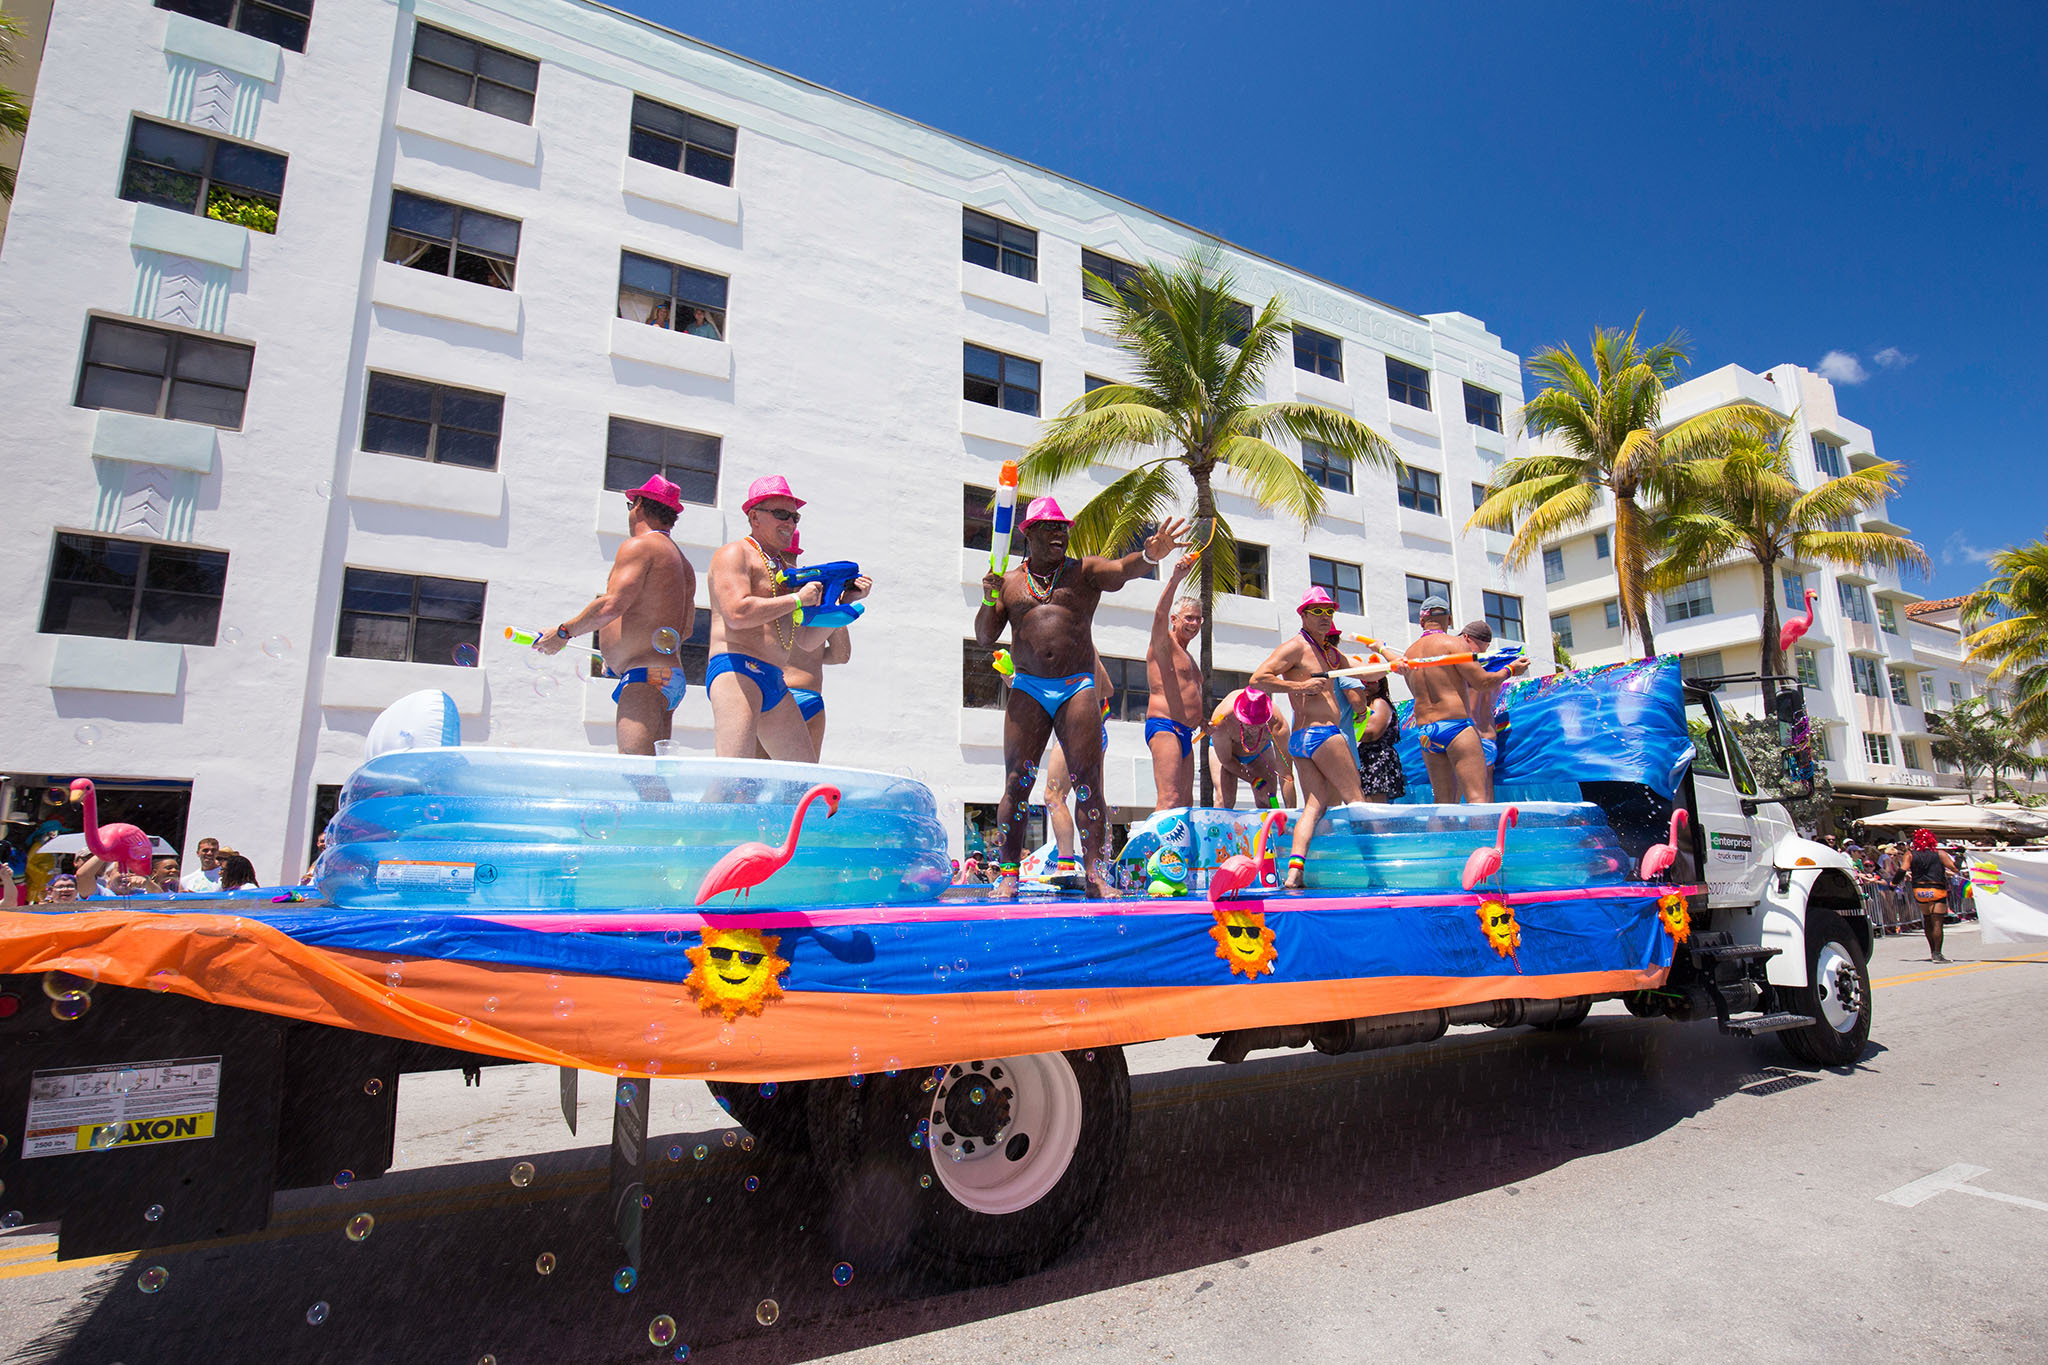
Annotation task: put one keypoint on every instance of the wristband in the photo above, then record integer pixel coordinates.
(1147, 554)
(562, 632)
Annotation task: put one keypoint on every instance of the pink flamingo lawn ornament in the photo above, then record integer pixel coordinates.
(747, 865)
(1237, 871)
(1485, 862)
(1658, 858)
(124, 846)
(1792, 630)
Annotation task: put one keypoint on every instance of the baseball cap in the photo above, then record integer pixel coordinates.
(1044, 509)
(766, 487)
(657, 489)
(1434, 605)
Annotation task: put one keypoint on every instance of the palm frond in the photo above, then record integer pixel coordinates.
(1272, 477)
(1120, 512)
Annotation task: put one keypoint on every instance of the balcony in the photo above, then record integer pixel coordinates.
(1861, 637)
(1872, 715)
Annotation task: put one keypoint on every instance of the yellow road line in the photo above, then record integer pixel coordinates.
(14, 1272)
(1958, 969)
(26, 1250)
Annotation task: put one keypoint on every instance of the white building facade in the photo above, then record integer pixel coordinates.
(268, 481)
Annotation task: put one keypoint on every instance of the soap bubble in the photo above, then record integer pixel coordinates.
(152, 1279)
(753, 1183)
(766, 1312)
(545, 1263)
(625, 1279)
(464, 655)
(70, 1005)
(462, 1025)
(730, 1138)
(373, 1086)
(277, 646)
(564, 1007)
(231, 635)
(768, 1089)
(842, 1274)
(344, 1179)
(126, 1079)
(153, 1214)
(359, 1227)
(599, 821)
(628, 1092)
(662, 1330)
(522, 1174)
(317, 1314)
(545, 684)
(701, 1152)
(88, 735)
(10, 1219)
(323, 489)
(675, 1153)
(667, 640)
(924, 1182)
(395, 972)
(747, 1143)
(160, 981)
(490, 1004)
(683, 1352)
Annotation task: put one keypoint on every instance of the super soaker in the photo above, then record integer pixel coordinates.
(1006, 511)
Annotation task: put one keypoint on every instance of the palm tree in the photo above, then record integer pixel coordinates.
(1608, 437)
(13, 109)
(1747, 501)
(1196, 408)
(1978, 739)
(2009, 618)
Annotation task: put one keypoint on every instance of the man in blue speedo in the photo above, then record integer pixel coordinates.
(1325, 764)
(1048, 603)
(1442, 720)
(1173, 711)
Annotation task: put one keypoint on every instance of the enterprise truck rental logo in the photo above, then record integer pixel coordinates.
(1732, 848)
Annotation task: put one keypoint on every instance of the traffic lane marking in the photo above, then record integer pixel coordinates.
(1953, 1180)
(1960, 969)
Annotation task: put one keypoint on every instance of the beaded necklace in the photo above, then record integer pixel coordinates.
(774, 566)
(1323, 650)
(1041, 594)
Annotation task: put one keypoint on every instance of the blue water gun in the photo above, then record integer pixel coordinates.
(830, 613)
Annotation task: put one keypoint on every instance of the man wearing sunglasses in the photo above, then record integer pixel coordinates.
(754, 632)
(1325, 763)
(651, 587)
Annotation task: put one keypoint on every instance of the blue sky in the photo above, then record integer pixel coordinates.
(1780, 181)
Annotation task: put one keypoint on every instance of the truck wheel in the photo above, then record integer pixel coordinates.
(1838, 998)
(977, 1172)
(1574, 1015)
(779, 1120)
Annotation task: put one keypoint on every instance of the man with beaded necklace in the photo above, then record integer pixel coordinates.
(754, 631)
(1048, 603)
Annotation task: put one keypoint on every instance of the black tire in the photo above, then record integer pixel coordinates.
(892, 1202)
(1644, 1004)
(1571, 1018)
(1838, 995)
(780, 1122)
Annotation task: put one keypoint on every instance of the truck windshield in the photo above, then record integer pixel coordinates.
(1719, 755)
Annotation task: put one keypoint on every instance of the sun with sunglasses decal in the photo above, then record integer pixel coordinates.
(1244, 942)
(734, 971)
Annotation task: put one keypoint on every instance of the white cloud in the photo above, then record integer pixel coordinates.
(1958, 550)
(1892, 358)
(1842, 367)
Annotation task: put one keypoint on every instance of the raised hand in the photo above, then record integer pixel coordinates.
(1168, 538)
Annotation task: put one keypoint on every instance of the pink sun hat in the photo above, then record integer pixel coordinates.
(1253, 707)
(766, 487)
(658, 489)
(1044, 509)
(1315, 597)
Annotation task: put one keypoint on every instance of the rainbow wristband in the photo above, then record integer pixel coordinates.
(1007, 869)
(1294, 861)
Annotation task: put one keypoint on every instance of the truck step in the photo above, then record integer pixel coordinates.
(1767, 1023)
(1732, 952)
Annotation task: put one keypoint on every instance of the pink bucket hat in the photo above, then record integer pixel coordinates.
(766, 487)
(1044, 509)
(658, 489)
(1315, 597)
(1253, 707)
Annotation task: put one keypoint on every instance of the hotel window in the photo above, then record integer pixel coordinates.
(1251, 570)
(1129, 693)
(1345, 582)
(1091, 382)
(1928, 696)
(1407, 383)
(1613, 610)
(1000, 381)
(1820, 742)
(677, 297)
(1482, 408)
(1504, 614)
(162, 373)
(1420, 590)
(1795, 591)
(438, 423)
(636, 451)
(1827, 458)
(1690, 600)
(1325, 466)
(448, 239)
(1419, 490)
(1863, 677)
(1221, 682)
(1707, 665)
(1116, 274)
(282, 22)
(1901, 691)
(1957, 693)
(210, 177)
(1240, 321)
(1887, 616)
(978, 518)
(990, 241)
(1318, 353)
(1553, 566)
(682, 141)
(1855, 601)
(1602, 547)
(1561, 629)
(1909, 750)
(127, 590)
(981, 687)
(406, 617)
(1878, 748)
(464, 71)
(1806, 664)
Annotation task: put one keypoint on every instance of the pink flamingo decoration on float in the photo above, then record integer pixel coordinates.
(747, 865)
(1658, 858)
(123, 846)
(1790, 632)
(1485, 862)
(1237, 871)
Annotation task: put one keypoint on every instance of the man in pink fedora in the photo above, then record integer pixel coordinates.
(1325, 765)
(652, 587)
(754, 632)
(1048, 604)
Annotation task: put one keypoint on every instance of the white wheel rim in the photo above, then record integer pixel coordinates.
(1031, 1146)
(1835, 977)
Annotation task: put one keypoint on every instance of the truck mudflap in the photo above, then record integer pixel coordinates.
(786, 994)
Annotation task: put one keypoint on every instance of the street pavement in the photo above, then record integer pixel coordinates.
(1629, 1191)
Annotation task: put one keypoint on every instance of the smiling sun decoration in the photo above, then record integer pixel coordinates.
(1677, 921)
(733, 972)
(1244, 942)
(1497, 920)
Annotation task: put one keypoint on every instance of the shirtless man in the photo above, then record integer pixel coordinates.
(1175, 682)
(1048, 603)
(1442, 719)
(651, 587)
(805, 674)
(1248, 743)
(1484, 697)
(754, 633)
(1325, 764)
(1059, 816)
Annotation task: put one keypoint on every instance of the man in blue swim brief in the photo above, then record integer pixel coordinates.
(1326, 772)
(1484, 697)
(672, 683)
(1442, 720)
(1173, 709)
(1048, 603)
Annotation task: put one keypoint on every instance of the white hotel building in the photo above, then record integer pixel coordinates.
(266, 482)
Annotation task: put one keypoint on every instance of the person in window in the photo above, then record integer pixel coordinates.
(701, 324)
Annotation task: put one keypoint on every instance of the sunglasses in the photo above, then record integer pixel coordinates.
(1241, 930)
(728, 954)
(784, 514)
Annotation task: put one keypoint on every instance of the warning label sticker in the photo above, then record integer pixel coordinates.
(122, 1104)
(446, 876)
